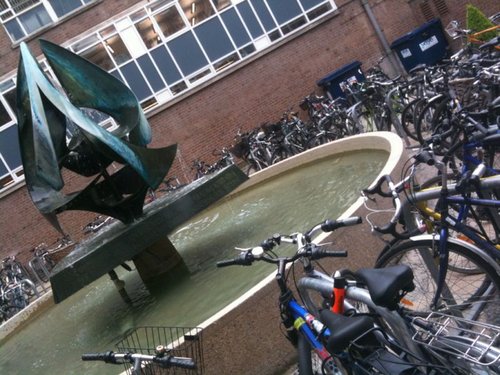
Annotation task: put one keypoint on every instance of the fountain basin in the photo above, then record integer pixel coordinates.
(250, 322)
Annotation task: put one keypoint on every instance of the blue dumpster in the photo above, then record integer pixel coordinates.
(334, 83)
(426, 44)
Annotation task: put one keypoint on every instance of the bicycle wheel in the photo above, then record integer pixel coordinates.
(423, 122)
(382, 118)
(472, 295)
(407, 119)
(309, 363)
(304, 353)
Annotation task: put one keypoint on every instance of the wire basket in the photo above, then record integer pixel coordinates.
(180, 342)
(473, 341)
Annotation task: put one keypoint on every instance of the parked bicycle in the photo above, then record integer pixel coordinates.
(348, 340)
(355, 323)
(456, 266)
(16, 288)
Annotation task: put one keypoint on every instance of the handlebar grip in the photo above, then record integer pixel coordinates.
(331, 225)
(228, 262)
(335, 254)
(106, 357)
(425, 157)
(171, 361)
(320, 253)
(245, 259)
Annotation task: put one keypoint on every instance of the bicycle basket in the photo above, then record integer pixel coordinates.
(180, 342)
(462, 338)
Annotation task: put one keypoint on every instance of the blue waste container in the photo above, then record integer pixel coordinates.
(426, 44)
(334, 82)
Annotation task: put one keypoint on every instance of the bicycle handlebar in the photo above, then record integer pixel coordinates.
(120, 358)
(377, 188)
(390, 228)
(248, 256)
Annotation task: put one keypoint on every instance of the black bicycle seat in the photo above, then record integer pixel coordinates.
(387, 284)
(344, 329)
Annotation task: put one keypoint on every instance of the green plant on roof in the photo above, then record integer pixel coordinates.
(477, 21)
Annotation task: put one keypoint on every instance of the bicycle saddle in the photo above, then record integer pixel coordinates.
(344, 329)
(387, 284)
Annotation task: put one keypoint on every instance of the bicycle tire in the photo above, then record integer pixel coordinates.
(382, 118)
(408, 118)
(423, 122)
(466, 292)
(304, 356)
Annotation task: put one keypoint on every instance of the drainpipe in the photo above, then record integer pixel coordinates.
(393, 59)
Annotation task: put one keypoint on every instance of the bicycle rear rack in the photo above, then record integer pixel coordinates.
(179, 341)
(472, 341)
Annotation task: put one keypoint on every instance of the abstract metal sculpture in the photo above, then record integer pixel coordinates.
(55, 133)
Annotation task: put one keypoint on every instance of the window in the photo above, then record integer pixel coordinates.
(236, 28)
(264, 15)
(21, 18)
(169, 21)
(160, 50)
(117, 49)
(214, 39)
(99, 55)
(10, 156)
(197, 11)
(148, 32)
(187, 52)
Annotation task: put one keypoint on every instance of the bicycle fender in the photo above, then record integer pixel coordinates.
(473, 248)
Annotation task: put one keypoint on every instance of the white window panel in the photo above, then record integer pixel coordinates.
(133, 42)
(262, 42)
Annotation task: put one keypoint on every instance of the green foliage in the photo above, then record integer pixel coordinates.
(477, 21)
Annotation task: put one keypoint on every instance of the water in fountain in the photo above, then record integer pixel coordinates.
(95, 318)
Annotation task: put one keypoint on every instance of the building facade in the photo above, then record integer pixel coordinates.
(202, 70)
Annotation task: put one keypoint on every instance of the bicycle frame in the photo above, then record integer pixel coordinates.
(301, 320)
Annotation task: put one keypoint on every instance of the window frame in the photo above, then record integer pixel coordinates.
(9, 14)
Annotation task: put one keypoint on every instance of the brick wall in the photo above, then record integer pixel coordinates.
(257, 93)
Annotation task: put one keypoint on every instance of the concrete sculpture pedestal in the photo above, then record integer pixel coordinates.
(145, 240)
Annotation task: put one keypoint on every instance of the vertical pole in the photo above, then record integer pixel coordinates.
(393, 59)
